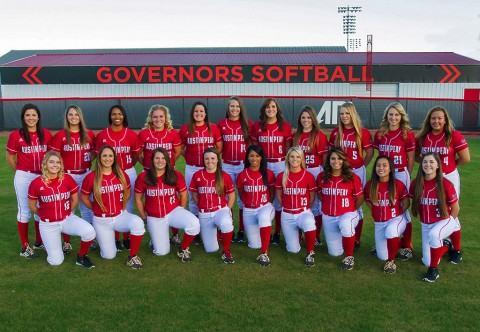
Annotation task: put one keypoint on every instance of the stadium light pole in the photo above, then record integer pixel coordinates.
(350, 25)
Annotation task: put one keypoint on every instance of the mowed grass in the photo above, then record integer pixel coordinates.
(207, 295)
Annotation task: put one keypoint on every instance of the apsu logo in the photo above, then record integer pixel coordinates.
(328, 113)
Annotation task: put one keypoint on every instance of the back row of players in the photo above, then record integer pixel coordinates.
(161, 192)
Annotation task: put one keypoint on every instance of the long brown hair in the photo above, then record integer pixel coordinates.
(375, 180)
(313, 137)
(263, 115)
(191, 120)
(243, 116)
(24, 130)
(357, 126)
(219, 181)
(347, 173)
(427, 127)
(170, 177)
(84, 139)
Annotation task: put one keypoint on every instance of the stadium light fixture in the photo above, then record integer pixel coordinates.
(350, 25)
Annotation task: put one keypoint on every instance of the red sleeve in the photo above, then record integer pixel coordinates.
(367, 190)
(458, 141)
(181, 184)
(239, 183)
(366, 138)
(13, 139)
(357, 186)
(183, 134)
(319, 182)
(254, 132)
(410, 141)
(56, 142)
(288, 132)
(72, 185)
(322, 145)
(87, 184)
(376, 139)
(411, 189)
(450, 192)
(139, 183)
(32, 190)
(312, 185)
(333, 134)
(176, 138)
(134, 139)
(228, 183)
(278, 181)
(127, 178)
(193, 183)
(271, 178)
(98, 141)
(402, 191)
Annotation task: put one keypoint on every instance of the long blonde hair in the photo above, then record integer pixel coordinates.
(404, 122)
(166, 111)
(61, 172)
(287, 163)
(357, 125)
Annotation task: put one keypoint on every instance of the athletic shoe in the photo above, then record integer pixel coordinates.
(310, 259)
(134, 262)
(390, 267)
(263, 259)
(67, 248)
(455, 257)
(85, 262)
(176, 240)
(184, 255)
(197, 240)
(356, 246)
(318, 242)
(28, 252)
(227, 257)
(275, 238)
(348, 263)
(126, 243)
(405, 254)
(240, 238)
(94, 245)
(373, 251)
(38, 246)
(119, 245)
(432, 275)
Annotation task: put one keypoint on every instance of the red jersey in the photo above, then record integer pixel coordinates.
(197, 143)
(384, 211)
(313, 157)
(112, 194)
(296, 194)
(255, 193)
(337, 196)
(436, 143)
(234, 145)
(273, 140)
(349, 144)
(75, 157)
(393, 145)
(29, 157)
(150, 139)
(53, 198)
(161, 199)
(429, 212)
(124, 142)
(203, 183)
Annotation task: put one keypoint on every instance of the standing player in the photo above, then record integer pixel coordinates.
(158, 132)
(296, 193)
(396, 140)
(198, 135)
(235, 130)
(341, 193)
(274, 134)
(26, 148)
(435, 201)
(52, 196)
(111, 189)
(76, 145)
(161, 185)
(387, 197)
(214, 194)
(125, 144)
(314, 144)
(438, 135)
(356, 141)
(256, 187)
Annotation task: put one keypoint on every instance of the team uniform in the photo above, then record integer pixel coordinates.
(390, 221)
(114, 218)
(56, 217)
(163, 209)
(213, 211)
(150, 139)
(76, 160)
(125, 144)
(195, 144)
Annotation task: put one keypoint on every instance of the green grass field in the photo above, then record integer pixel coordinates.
(207, 295)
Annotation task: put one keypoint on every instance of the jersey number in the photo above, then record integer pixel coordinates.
(129, 159)
(309, 159)
(86, 156)
(303, 201)
(345, 202)
(264, 198)
(397, 160)
(67, 205)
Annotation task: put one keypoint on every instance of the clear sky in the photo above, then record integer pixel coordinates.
(402, 25)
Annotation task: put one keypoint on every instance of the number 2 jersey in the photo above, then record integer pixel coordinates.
(383, 210)
(296, 193)
(338, 196)
(254, 191)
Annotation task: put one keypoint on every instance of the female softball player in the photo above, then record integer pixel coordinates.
(111, 189)
(256, 187)
(158, 132)
(235, 130)
(26, 148)
(387, 197)
(76, 145)
(396, 140)
(161, 185)
(125, 144)
(295, 188)
(341, 193)
(52, 196)
(314, 144)
(274, 134)
(356, 141)
(198, 135)
(435, 201)
(214, 194)
(438, 135)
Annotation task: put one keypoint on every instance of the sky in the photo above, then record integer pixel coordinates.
(396, 26)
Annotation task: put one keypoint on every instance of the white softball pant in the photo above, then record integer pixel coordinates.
(291, 223)
(433, 235)
(85, 212)
(105, 228)
(404, 176)
(454, 178)
(52, 235)
(276, 168)
(336, 227)
(388, 230)
(362, 174)
(233, 171)
(189, 171)
(209, 222)
(317, 204)
(160, 232)
(132, 175)
(21, 181)
(254, 219)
